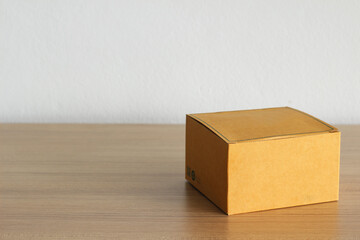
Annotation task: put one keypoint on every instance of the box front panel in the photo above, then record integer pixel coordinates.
(206, 162)
(283, 172)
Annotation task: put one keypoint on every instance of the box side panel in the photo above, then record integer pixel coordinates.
(284, 172)
(206, 162)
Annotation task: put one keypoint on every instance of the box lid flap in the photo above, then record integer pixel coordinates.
(268, 123)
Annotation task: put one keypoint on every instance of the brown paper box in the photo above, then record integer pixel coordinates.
(252, 160)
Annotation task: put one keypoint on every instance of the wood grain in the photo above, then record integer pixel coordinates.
(72, 181)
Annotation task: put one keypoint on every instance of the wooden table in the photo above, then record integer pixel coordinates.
(71, 181)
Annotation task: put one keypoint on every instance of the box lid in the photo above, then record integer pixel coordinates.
(261, 124)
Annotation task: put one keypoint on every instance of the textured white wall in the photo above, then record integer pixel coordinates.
(154, 61)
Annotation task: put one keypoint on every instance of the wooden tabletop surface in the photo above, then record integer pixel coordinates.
(72, 181)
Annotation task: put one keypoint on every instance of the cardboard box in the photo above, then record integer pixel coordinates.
(252, 160)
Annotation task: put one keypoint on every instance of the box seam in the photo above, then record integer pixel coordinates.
(331, 128)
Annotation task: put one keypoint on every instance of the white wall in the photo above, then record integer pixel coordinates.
(154, 61)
